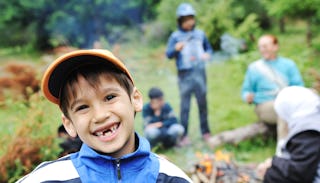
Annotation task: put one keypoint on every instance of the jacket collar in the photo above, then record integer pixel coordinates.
(100, 163)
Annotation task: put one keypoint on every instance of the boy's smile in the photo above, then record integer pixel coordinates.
(106, 133)
(103, 115)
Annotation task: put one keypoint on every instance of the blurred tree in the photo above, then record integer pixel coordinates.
(149, 7)
(307, 10)
(216, 17)
(18, 25)
(46, 23)
(241, 9)
(167, 13)
(241, 19)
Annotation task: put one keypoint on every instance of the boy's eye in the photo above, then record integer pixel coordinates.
(109, 97)
(81, 107)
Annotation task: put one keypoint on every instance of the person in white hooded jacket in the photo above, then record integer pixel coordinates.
(299, 160)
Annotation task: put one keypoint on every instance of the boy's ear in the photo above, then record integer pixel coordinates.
(68, 125)
(137, 100)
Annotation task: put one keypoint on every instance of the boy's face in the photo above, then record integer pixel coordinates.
(157, 103)
(188, 23)
(103, 116)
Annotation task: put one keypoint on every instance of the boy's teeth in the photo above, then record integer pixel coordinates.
(113, 129)
(108, 132)
(99, 133)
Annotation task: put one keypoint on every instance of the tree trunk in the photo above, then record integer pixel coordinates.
(237, 135)
(309, 32)
(282, 26)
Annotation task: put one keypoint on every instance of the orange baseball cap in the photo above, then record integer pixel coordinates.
(58, 71)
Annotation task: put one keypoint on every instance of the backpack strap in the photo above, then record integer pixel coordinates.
(271, 74)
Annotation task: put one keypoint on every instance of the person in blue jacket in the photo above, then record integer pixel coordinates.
(99, 101)
(160, 123)
(265, 78)
(191, 49)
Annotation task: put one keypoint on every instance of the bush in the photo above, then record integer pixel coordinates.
(28, 147)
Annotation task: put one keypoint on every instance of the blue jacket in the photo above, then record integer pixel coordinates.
(167, 115)
(88, 166)
(262, 87)
(196, 44)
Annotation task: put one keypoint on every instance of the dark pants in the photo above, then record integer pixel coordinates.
(193, 82)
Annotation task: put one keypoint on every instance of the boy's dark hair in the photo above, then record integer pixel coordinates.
(155, 93)
(91, 73)
(61, 129)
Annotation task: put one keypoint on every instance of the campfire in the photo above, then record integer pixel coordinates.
(220, 168)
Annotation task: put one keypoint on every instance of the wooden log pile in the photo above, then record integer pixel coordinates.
(219, 168)
(239, 134)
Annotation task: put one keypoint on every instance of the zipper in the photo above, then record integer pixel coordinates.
(118, 170)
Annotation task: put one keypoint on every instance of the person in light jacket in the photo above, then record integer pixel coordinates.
(191, 49)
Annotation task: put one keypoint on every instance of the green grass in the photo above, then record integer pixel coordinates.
(150, 67)
(226, 109)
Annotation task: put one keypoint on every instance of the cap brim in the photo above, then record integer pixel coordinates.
(57, 72)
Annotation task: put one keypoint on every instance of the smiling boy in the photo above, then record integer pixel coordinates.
(99, 101)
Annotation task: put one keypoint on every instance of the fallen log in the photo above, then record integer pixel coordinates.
(239, 134)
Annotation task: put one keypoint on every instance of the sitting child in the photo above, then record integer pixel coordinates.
(160, 123)
(300, 157)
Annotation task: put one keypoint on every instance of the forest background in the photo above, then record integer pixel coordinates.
(36, 32)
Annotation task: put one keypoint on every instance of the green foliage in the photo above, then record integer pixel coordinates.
(44, 24)
(82, 22)
(293, 8)
(28, 139)
(16, 173)
(27, 30)
(226, 110)
(157, 32)
(242, 22)
(216, 17)
(307, 10)
(167, 13)
(257, 149)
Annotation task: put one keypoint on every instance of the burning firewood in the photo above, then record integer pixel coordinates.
(219, 168)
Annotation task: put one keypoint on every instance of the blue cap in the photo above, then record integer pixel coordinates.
(185, 9)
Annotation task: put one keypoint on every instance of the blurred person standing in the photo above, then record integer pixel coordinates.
(191, 49)
(265, 78)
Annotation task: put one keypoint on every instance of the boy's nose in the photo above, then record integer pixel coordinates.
(100, 114)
